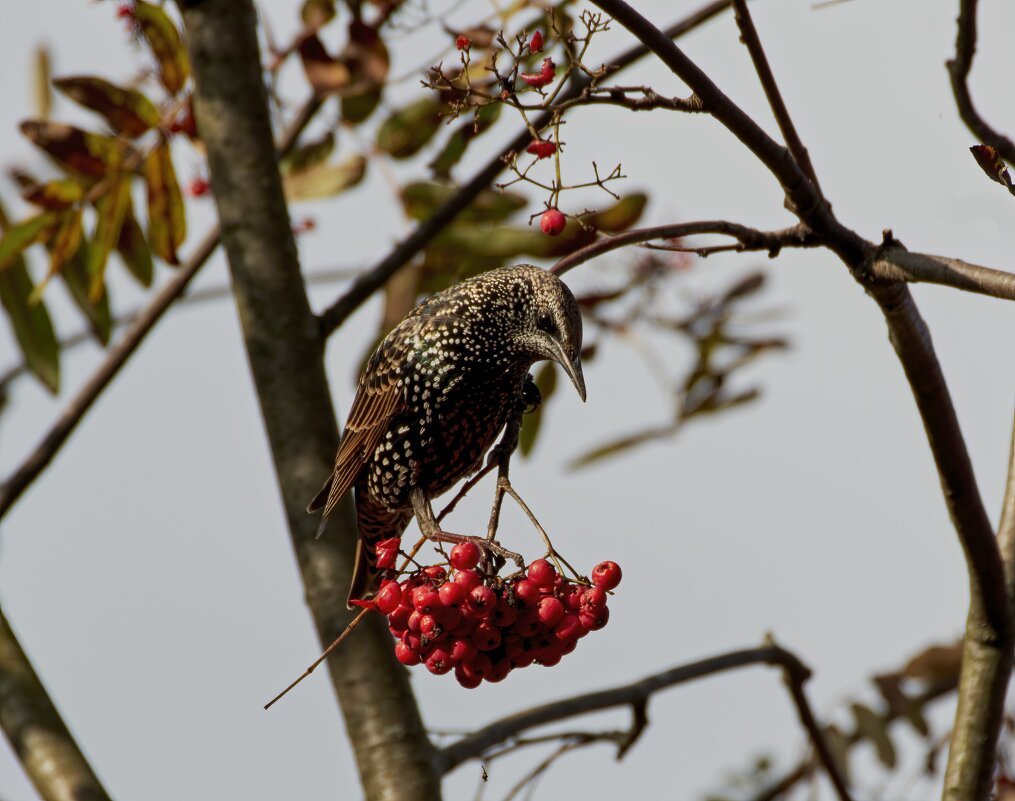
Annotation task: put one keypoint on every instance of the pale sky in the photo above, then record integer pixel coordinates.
(149, 574)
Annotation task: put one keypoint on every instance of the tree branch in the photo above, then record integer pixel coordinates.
(117, 356)
(393, 753)
(959, 69)
(748, 239)
(37, 733)
(339, 311)
(895, 263)
(636, 695)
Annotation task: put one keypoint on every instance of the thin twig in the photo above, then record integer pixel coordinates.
(118, 354)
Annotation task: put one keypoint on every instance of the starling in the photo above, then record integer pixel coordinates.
(438, 390)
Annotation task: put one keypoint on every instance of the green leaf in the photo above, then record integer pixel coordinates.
(167, 222)
(358, 108)
(406, 131)
(872, 726)
(838, 744)
(18, 238)
(459, 140)
(55, 195)
(62, 247)
(134, 250)
(164, 41)
(546, 383)
(324, 180)
(75, 277)
(309, 154)
(41, 87)
(79, 151)
(621, 215)
(110, 209)
(126, 110)
(422, 198)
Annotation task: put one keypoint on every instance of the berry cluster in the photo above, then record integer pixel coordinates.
(484, 627)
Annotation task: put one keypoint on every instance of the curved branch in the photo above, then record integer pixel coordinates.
(748, 238)
(339, 311)
(895, 263)
(637, 695)
(36, 732)
(118, 354)
(958, 70)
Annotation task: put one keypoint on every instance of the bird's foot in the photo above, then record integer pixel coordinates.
(491, 550)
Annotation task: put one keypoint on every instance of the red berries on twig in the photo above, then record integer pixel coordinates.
(541, 78)
(541, 148)
(552, 222)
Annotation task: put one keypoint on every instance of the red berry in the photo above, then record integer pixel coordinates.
(389, 597)
(552, 222)
(500, 669)
(594, 620)
(541, 573)
(528, 623)
(124, 11)
(465, 556)
(439, 662)
(463, 650)
(480, 665)
(541, 78)
(469, 682)
(527, 592)
(429, 627)
(198, 187)
(369, 603)
(536, 42)
(541, 148)
(606, 575)
(465, 625)
(569, 628)
(451, 594)
(519, 654)
(593, 599)
(413, 622)
(486, 636)
(435, 572)
(463, 43)
(550, 610)
(390, 544)
(549, 660)
(504, 615)
(482, 601)
(573, 597)
(405, 654)
(449, 617)
(426, 601)
(467, 578)
(399, 619)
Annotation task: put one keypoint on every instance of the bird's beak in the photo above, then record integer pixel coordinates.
(572, 368)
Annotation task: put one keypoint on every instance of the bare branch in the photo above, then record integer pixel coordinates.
(895, 263)
(336, 314)
(37, 734)
(958, 69)
(1006, 527)
(637, 695)
(749, 36)
(748, 239)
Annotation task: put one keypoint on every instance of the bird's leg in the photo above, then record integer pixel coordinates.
(428, 525)
(529, 400)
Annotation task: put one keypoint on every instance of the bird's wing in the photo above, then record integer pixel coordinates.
(379, 398)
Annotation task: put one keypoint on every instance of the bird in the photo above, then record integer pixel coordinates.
(436, 393)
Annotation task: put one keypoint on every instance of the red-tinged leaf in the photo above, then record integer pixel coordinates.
(55, 195)
(164, 40)
(134, 250)
(993, 165)
(80, 151)
(166, 215)
(110, 211)
(75, 277)
(406, 131)
(324, 180)
(62, 246)
(127, 110)
(18, 238)
(324, 73)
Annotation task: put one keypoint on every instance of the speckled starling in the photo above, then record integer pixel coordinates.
(438, 390)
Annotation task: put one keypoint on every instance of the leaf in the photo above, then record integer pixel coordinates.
(32, 326)
(993, 165)
(127, 110)
(624, 444)
(889, 685)
(459, 140)
(18, 238)
(325, 180)
(422, 198)
(358, 108)
(41, 89)
(872, 726)
(80, 151)
(406, 131)
(936, 664)
(317, 13)
(838, 744)
(325, 74)
(110, 211)
(75, 277)
(546, 383)
(167, 225)
(134, 250)
(55, 195)
(62, 247)
(164, 41)
(621, 215)
(309, 154)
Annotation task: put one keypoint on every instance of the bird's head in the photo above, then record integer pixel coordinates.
(552, 328)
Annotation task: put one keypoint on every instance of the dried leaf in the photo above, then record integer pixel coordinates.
(938, 663)
(546, 383)
(62, 247)
(309, 154)
(838, 744)
(55, 195)
(80, 151)
(164, 40)
(623, 444)
(325, 74)
(324, 180)
(134, 250)
(872, 726)
(110, 211)
(900, 703)
(127, 110)
(407, 130)
(167, 226)
(18, 238)
(993, 165)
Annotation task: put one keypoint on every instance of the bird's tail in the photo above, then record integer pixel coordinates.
(376, 523)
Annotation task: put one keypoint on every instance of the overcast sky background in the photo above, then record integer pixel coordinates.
(149, 574)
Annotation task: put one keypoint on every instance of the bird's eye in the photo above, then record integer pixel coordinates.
(545, 323)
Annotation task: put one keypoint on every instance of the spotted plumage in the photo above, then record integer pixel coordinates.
(438, 390)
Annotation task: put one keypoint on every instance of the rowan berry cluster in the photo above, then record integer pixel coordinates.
(482, 627)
